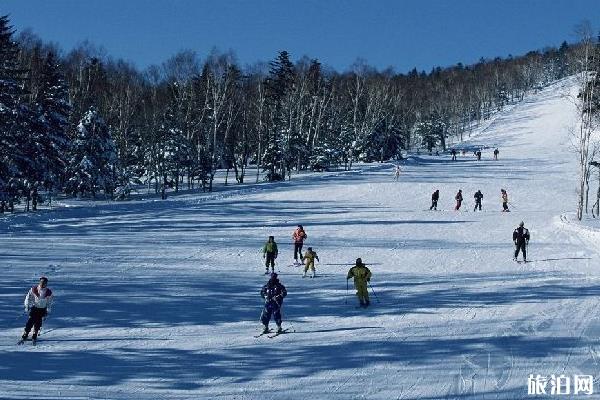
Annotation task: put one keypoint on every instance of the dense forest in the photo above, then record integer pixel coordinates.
(81, 123)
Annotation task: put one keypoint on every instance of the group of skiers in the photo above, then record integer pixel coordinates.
(476, 153)
(478, 196)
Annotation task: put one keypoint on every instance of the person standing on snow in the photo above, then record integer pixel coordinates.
(434, 200)
(309, 260)
(478, 154)
(504, 200)
(397, 173)
(270, 254)
(496, 152)
(37, 303)
(521, 240)
(362, 276)
(478, 197)
(298, 236)
(459, 199)
(273, 293)
(453, 152)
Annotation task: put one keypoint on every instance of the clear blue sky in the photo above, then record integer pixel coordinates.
(402, 33)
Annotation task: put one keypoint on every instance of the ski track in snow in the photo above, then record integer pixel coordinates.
(160, 299)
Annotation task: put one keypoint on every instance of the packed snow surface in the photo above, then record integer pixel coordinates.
(160, 299)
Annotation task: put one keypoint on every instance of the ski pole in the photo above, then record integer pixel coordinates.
(372, 290)
(346, 297)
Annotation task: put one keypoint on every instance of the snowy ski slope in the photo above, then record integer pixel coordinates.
(159, 300)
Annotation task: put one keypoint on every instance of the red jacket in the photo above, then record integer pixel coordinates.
(299, 235)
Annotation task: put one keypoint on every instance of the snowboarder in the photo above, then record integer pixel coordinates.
(309, 260)
(273, 293)
(37, 303)
(298, 236)
(270, 254)
(453, 152)
(434, 200)
(478, 197)
(478, 154)
(362, 276)
(397, 173)
(504, 200)
(496, 152)
(521, 240)
(459, 199)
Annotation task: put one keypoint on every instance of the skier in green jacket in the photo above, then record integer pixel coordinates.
(270, 254)
(361, 275)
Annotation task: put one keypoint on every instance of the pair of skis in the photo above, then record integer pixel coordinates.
(272, 335)
(22, 341)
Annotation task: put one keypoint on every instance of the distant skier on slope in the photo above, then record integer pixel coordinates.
(362, 276)
(298, 237)
(496, 152)
(521, 240)
(397, 173)
(504, 196)
(309, 260)
(37, 303)
(459, 199)
(478, 154)
(273, 292)
(270, 254)
(435, 196)
(478, 197)
(453, 152)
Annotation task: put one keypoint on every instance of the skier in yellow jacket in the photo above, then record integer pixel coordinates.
(309, 262)
(361, 275)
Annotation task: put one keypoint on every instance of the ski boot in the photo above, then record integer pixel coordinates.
(265, 329)
(279, 329)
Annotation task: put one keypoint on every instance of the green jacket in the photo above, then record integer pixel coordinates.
(360, 273)
(270, 247)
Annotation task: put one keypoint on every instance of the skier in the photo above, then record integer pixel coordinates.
(298, 236)
(521, 240)
(309, 259)
(478, 197)
(270, 254)
(434, 199)
(459, 199)
(478, 154)
(496, 152)
(361, 275)
(273, 293)
(37, 303)
(397, 173)
(453, 152)
(504, 200)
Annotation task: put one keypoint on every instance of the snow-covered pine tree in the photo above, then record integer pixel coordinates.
(15, 117)
(52, 104)
(93, 161)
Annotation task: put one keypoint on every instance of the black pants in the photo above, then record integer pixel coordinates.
(298, 251)
(433, 205)
(271, 308)
(505, 206)
(270, 259)
(477, 204)
(35, 320)
(521, 247)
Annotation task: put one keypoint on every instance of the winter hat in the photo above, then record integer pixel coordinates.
(43, 278)
(359, 261)
(272, 237)
(300, 226)
(521, 223)
(310, 249)
(274, 276)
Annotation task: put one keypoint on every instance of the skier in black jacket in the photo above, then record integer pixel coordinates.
(521, 240)
(434, 199)
(478, 197)
(273, 293)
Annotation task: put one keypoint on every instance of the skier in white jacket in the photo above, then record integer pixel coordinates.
(37, 303)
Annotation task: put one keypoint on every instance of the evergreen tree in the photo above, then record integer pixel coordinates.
(93, 162)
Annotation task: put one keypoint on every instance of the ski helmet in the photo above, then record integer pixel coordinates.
(274, 276)
(310, 249)
(359, 261)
